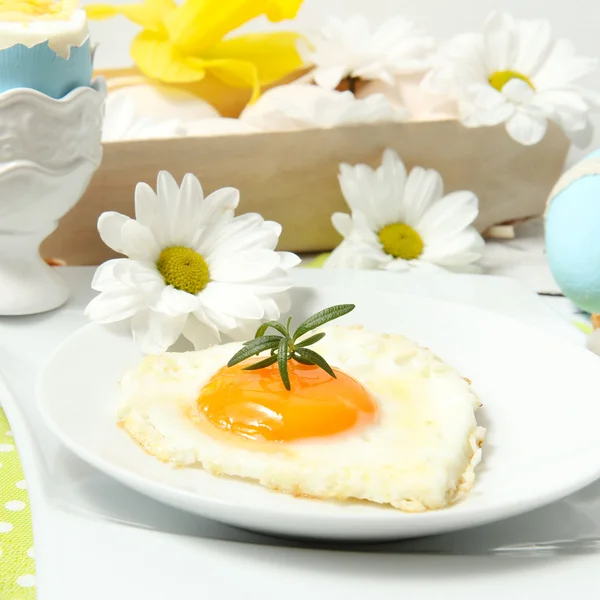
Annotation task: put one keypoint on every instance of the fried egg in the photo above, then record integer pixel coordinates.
(396, 426)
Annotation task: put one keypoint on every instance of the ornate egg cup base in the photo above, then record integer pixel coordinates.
(28, 285)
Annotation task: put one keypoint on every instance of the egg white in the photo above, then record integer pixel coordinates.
(420, 454)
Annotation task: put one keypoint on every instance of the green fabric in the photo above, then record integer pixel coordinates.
(17, 566)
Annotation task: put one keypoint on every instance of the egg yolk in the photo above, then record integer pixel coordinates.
(256, 405)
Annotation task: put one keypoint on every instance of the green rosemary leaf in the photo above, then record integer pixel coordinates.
(248, 351)
(261, 364)
(322, 317)
(282, 362)
(274, 324)
(316, 359)
(313, 339)
(301, 360)
(259, 340)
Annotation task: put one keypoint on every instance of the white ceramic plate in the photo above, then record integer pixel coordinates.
(541, 408)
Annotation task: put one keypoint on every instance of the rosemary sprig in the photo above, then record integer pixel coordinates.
(287, 347)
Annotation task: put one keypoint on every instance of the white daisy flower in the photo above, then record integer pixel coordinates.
(517, 73)
(193, 268)
(305, 106)
(399, 222)
(347, 48)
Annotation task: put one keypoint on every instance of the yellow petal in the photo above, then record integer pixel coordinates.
(157, 57)
(197, 25)
(273, 54)
(145, 14)
(237, 73)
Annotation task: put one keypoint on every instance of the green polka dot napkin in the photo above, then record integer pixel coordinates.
(17, 566)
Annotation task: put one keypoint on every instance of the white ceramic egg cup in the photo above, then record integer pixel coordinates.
(49, 150)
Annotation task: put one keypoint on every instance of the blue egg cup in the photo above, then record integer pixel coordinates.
(41, 69)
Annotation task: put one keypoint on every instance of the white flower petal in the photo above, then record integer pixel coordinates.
(155, 332)
(110, 225)
(138, 242)
(491, 106)
(146, 206)
(462, 249)
(357, 255)
(398, 265)
(423, 188)
(375, 194)
(330, 77)
(174, 302)
(527, 127)
(200, 331)
(563, 66)
(115, 305)
(141, 276)
(288, 260)
(342, 223)
(104, 278)
(392, 175)
(236, 301)
(220, 205)
(244, 266)
(189, 217)
(535, 43)
(518, 91)
(238, 235)
(448, 217)
(500, 42)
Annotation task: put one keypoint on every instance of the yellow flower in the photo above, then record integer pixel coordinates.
(180, 44)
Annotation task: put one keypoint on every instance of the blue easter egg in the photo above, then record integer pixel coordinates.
(41, 69)
(573, 240)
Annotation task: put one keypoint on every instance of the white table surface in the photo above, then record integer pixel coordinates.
(81, 556)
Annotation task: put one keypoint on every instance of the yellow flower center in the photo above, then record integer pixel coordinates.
(500, 78)
(401, 241)
(184, 269)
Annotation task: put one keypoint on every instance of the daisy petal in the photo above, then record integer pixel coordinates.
(115, 305)
(518, 91)
(246, 232)
(201, 333)
(288, 260)
(491, 106)
(342, 223)
(448, 217)
(189, 211)
(392, 174)
(138, 242)
(174, 302)
(231, 299)
(110, 226)
(500, 42)
(104, 278)
(356, 255)
(330, 77)
(155, 332)
(461, 249)
(423, 188)
(146, 205)
(398, 265)
(220, 205)
(244, 266)
(535, 37)
(527, 127)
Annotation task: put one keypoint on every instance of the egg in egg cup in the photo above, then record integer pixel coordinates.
(50, 141)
